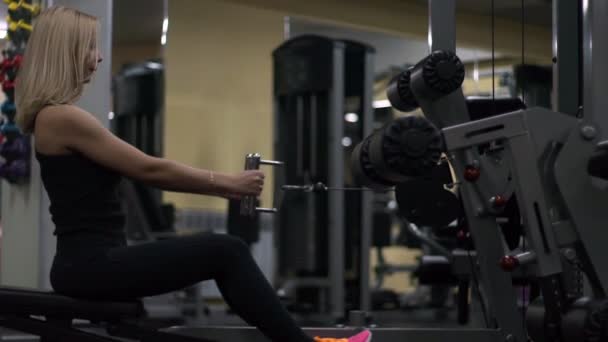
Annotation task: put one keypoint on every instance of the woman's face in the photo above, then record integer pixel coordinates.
(93, 61)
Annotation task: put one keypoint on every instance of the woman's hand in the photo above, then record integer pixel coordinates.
(245, 183)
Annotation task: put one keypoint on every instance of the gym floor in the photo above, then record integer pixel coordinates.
(218, 316)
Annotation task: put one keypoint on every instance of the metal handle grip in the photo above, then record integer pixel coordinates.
(271, 162)
(266, 210)
(249, 203)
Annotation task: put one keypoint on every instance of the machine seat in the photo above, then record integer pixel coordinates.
(20, 301)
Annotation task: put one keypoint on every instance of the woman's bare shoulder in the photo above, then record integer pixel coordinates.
(54, 124)
(58, 114)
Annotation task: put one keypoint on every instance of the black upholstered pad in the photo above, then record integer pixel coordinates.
(21, 301)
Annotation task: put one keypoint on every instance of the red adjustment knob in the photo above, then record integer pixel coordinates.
(498, 201)
(463, 235)
(508, 263)
(17, 61)
(6, 64)
(471, 173)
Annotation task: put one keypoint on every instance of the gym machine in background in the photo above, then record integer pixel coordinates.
(137, 118)
(306, 132)
(323, 108)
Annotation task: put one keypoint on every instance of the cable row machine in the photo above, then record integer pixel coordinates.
(553, 163)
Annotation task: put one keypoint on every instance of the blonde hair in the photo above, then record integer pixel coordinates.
(55, 64)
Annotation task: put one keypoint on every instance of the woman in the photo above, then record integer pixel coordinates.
(81, 165)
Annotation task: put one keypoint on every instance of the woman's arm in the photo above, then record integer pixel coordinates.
(77, 130)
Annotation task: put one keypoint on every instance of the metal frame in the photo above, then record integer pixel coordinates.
(366, 196)
(566, 49)
(500, 296)
(442, 25)
(583, 198)
(516, 130)
(336, 179)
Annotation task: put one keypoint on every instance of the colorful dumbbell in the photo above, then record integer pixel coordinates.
(8, 87)
(10, 131)
(13, 26)
(8, 109)
(15, 171)
(14, 149)
(22, 5)
(9, 67)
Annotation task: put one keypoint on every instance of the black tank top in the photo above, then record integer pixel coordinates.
(83, 195)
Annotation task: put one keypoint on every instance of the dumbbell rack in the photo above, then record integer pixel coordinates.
(15, 148)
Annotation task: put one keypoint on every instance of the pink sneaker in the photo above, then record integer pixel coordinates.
(364, 336)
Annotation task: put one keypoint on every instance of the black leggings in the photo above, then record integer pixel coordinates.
(89, 266)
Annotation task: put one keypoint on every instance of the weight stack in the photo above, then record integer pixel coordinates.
(321, 102)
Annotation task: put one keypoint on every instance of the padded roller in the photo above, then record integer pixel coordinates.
(400, 94)
(407, 147)
(439, 74)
